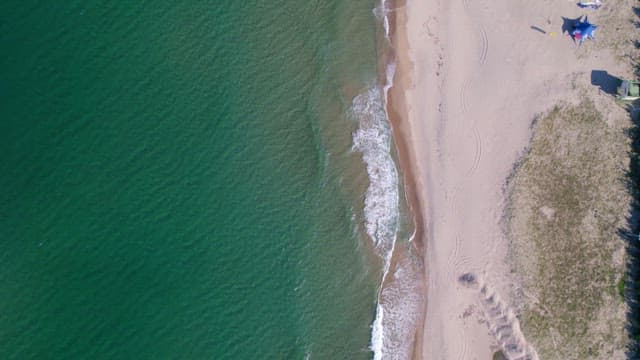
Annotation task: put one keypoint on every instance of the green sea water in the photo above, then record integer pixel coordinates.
(177, 180)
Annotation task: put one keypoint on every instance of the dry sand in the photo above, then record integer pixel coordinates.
(471, 75)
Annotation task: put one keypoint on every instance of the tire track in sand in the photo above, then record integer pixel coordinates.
(464, 347)
(452, 259)
(477, 152)
(477, 139)
(455, 260)
(484, 39)
(453, 256)
(466, 86)
(484, 46)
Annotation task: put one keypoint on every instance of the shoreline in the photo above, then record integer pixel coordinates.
(398, 326)
(397, 116)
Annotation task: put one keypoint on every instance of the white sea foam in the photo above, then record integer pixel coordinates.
(373, 140)
(399, 302)
(382, 12)
(390, 71)
(377, 333)
(400, 298)
(381, 204)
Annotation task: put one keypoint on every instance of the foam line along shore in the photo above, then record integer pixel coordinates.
(401, 297)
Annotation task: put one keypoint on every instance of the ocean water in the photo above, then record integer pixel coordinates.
(195, 180)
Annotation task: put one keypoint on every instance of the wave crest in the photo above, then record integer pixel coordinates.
(399, 305)
(400, 295)
(373, 140)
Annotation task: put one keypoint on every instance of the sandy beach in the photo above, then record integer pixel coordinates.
(471, 76)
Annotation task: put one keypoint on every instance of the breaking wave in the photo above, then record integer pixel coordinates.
(373, 140)
(382, 12)
(381, 204)
(400, 295)
(397, 313)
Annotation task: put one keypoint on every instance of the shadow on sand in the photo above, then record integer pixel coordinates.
(569, 24)
(606, 82)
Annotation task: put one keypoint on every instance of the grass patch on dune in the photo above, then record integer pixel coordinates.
(617, 28)
(567, 201)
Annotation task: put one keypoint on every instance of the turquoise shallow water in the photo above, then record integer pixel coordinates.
(178, 180)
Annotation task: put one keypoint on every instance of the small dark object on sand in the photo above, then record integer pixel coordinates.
(468, 279)
(538, 29)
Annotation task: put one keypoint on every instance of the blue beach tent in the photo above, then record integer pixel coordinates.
(583, 30)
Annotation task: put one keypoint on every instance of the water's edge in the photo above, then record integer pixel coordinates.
(401, 293)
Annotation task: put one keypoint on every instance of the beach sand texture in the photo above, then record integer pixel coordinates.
(471, 76)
